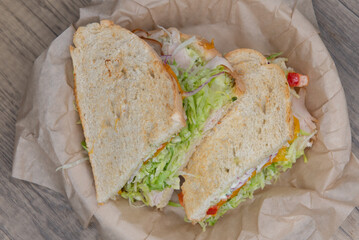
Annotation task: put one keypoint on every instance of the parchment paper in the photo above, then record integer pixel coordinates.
(309, 201)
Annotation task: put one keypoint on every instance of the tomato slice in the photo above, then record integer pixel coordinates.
(212, 210)
(297, 80)
(293, 79)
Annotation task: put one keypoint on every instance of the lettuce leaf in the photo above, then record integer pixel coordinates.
(162, 171)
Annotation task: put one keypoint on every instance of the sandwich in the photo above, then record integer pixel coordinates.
(208, 88)
(129, 103)
(261, 135)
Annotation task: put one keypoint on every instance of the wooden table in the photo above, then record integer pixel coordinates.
(27, 27)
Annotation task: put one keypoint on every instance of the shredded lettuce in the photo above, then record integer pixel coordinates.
(73, 164)
(173, 204)
(265, 176)
(162, 171)
(274, 55)
(281, 62)
(84, 146)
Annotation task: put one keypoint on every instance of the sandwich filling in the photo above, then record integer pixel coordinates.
(206, 86)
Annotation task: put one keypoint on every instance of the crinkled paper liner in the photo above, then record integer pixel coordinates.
(309, 201)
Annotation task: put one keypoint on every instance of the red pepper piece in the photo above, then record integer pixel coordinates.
(297, 80)
(180, 198)
(212, 210)
(293, 79)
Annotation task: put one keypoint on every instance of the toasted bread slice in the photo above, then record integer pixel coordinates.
(258, 124)
(128, 103)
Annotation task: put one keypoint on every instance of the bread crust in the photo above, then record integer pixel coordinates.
(254, 128)
(103, 50)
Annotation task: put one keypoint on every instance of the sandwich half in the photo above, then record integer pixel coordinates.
(208, 87)
(256, 140)
(128, 102)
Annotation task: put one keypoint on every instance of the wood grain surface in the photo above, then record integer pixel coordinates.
(28, 211)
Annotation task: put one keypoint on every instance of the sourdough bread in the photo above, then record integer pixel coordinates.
(128, 103)
(257, 125)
